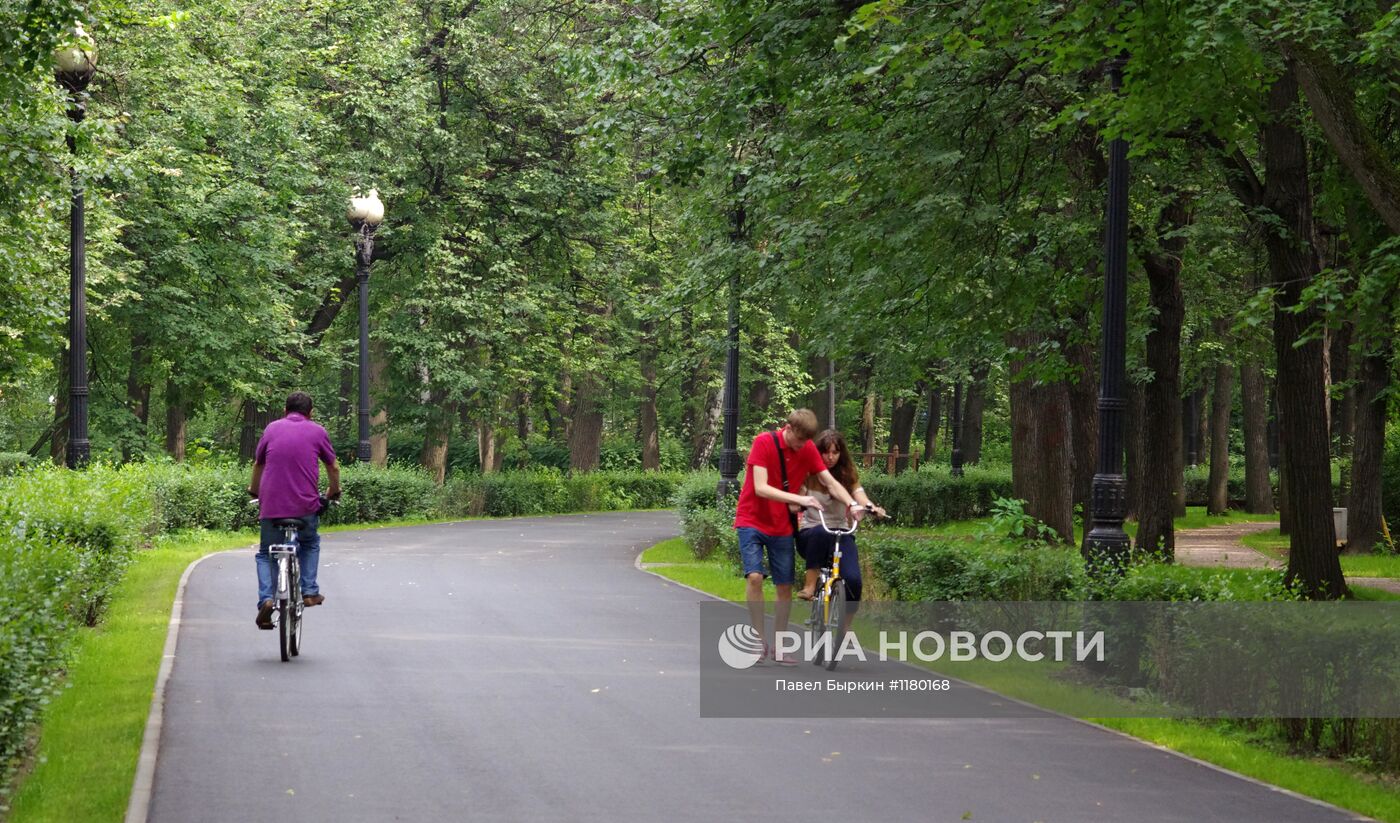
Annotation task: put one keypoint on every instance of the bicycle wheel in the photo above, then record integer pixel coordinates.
(815, 624)
(284, 611)
(297, 610)
(835, 616)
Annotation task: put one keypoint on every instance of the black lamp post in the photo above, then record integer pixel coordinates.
(957, 430)
(365, 215)
(74, 66)
(1106, 538)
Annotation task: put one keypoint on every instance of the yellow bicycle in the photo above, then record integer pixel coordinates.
(825, 626)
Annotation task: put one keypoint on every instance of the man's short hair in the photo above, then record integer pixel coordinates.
(299, 402)
(803, 423)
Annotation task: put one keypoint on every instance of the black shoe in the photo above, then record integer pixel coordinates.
(265, 614)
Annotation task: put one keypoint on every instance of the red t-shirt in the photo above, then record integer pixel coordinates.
(771, 516)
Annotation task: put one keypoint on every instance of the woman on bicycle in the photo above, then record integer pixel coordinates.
(813, 543)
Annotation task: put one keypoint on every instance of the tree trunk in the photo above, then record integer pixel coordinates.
(1258, 492)
(1218, 486)
(707, 429)
(1041, 446)
(902, 414)
(819, 401)
(1339, 370)
(345, 418)
(379, 421)
(1135, 459)
(1191, 427)
(1162, 426)
(1368, 447)
(58, 444)
(935, 416)
(255, 419)
(867, 423)
(1313, 567)
(175, 421)
(975, 410)
(586, 425)
(524, 422)
(646, 411)
(138, 392)
(1084, 412)
(437, 433)
(486, 446)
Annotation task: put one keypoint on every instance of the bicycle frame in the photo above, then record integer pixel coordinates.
(288, 592)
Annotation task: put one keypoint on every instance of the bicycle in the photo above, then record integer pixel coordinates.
(829, 602)
(290, 607)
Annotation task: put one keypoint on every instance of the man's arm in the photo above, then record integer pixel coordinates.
(333, 478)
(762, 489)
(256, 482)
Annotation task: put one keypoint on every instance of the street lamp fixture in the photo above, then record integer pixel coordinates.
(75, 63)
(365, 213)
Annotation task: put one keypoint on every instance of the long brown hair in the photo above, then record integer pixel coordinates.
(845, 469)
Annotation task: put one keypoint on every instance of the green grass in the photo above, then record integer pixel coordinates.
(1271, 543)
(91, 735)
(1224, 745)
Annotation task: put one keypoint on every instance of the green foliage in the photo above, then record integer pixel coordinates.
(549, 491)
(936, 569)
(369, 494)
(1009, 519)
(931, 495)
(11, 462)
(38, 597)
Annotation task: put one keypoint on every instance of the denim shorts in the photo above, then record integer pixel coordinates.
(752, 542)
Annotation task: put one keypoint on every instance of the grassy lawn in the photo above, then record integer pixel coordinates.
(91, 734)
(1272, 543)
(1229, 746)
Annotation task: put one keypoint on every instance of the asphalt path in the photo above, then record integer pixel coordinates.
(521, 670)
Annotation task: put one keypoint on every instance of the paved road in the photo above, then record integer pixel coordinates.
(524, 670)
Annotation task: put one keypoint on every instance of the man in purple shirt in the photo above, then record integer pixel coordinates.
(286, 479)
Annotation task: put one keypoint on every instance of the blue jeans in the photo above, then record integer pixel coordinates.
(308, 555)
(752, 542)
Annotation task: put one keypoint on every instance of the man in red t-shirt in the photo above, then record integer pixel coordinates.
(763, 519)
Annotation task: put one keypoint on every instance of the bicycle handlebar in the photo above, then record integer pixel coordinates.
(821, 514)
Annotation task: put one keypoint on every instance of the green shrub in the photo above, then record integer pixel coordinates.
(370, 494)
(550, 491)
(200, 497)
(13, 462)
(38, 584)
(946, 569)
(931, 495)
(102, 513)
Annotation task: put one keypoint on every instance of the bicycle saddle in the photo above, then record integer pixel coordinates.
(283, 522)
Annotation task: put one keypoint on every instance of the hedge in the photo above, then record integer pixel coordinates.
(549, 491)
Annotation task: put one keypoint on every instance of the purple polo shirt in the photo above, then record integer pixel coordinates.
(288, 452)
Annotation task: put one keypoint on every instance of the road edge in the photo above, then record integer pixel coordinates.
(143, 785)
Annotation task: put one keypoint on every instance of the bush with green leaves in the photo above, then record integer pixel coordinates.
(370, 494)
(954, 570)
(550, 491)
(12, 462)
(931, 495)
(39, 585)
(102, 513)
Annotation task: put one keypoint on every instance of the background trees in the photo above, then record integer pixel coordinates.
(908, 196)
